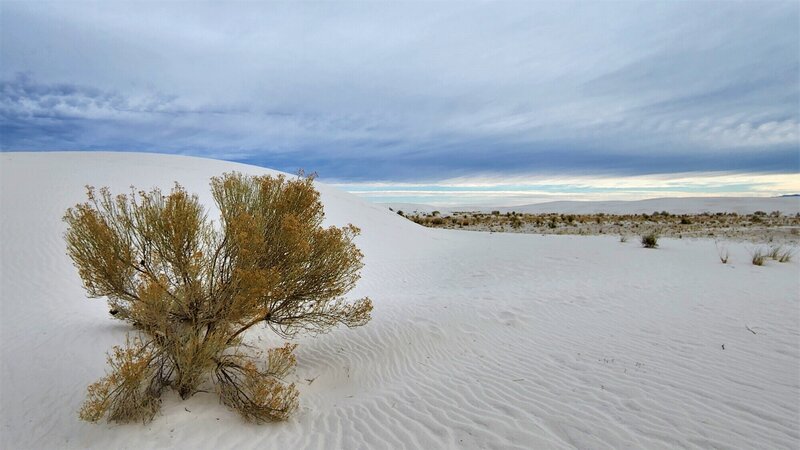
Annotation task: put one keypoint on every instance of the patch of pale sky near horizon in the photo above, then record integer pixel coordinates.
(520, 190)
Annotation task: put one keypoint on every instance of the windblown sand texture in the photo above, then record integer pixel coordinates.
(477, 340)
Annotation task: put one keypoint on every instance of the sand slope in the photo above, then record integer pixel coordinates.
(478, 340)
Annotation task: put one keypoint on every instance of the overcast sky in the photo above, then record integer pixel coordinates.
(549, 98)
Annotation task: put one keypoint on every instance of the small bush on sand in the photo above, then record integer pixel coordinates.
(623, 238)
(781, 254)
(193, 290)
(722, 252)
(758, 256)
(650, 240)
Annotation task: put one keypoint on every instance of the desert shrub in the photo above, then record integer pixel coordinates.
(722, 252)
(758, 256)
(192, 290)
(437, 221)
(650, 240)
(781, 254)
(623, 238)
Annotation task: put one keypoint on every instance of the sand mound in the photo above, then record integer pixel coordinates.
(478, 340)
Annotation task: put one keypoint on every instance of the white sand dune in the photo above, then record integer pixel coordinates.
(682, 205)
(477, 340)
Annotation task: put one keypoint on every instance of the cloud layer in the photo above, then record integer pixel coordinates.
(412, 93)
(514, 191)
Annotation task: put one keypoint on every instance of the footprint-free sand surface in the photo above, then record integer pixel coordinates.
(477, 340)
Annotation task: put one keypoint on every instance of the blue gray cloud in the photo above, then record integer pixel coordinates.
(411, 92)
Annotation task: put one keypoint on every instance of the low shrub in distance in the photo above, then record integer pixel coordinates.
(650, 240)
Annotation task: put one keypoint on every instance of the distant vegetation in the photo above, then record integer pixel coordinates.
(759, 226)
